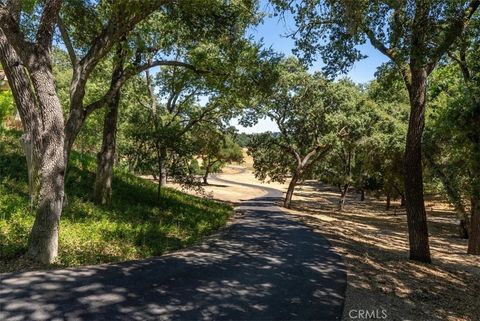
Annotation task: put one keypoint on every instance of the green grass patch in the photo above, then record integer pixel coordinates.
(136, 225)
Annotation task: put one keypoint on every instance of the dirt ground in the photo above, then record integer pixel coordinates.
(374, 245)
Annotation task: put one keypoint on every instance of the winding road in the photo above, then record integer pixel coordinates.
(265, 266)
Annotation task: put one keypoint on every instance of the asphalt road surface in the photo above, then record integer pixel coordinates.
(265, 266)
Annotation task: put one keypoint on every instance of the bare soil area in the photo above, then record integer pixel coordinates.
(374, 245)
(381, 279)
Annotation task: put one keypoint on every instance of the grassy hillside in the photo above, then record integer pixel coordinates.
(136, 225)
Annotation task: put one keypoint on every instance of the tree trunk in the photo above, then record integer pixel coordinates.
(402, 200)
(474, 239)
(43, 124)
(362, 195)
(162, 170)
(474, 137)
(388, 202)
(343, 196)
(416, 215)
(453, 195)
(205, 176)
(106, 156)
(163, 166)
(43, 240)
(291, 187)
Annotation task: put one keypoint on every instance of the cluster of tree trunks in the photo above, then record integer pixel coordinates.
(48, 136)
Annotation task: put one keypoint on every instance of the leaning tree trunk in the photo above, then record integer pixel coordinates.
(205, 176)
(43, 240)
(291, 187)
(43, 124)
(416, 215)
(106, 156)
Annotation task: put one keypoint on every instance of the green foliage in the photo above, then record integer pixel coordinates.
(310, 112)
(346, 164)
(405, 31)
(216, 148)
(135, 226)
(242, 139)
(452, 137)
(7, 106)
(386, 144)
(270, 161)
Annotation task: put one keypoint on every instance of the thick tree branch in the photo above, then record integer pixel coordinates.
(22, 89)
(462, 63)
(13, 34)
(455, 29)
(313, 152)
(380, 46)
(68, 42)
(126, 75)
(390, 53)
(47, 23)
(120, 25)
(15, 7)
(290, 149)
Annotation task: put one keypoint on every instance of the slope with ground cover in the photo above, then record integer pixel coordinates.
(136, 225)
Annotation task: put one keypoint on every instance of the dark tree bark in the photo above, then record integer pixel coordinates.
(291, 187)
(207, 172)
(474, 239)
(474, 235)
(416, 215)
(421, 61)
(388, 202)
(106, 156)
(205, 177)
(362, 195)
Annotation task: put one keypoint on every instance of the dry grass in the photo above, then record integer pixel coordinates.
(247, 160)
(374, 244)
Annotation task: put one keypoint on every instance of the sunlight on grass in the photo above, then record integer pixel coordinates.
(135, 226)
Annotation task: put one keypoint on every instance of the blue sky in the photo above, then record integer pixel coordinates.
(272, 31)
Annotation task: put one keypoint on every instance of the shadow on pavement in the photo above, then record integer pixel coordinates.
(264, 267)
